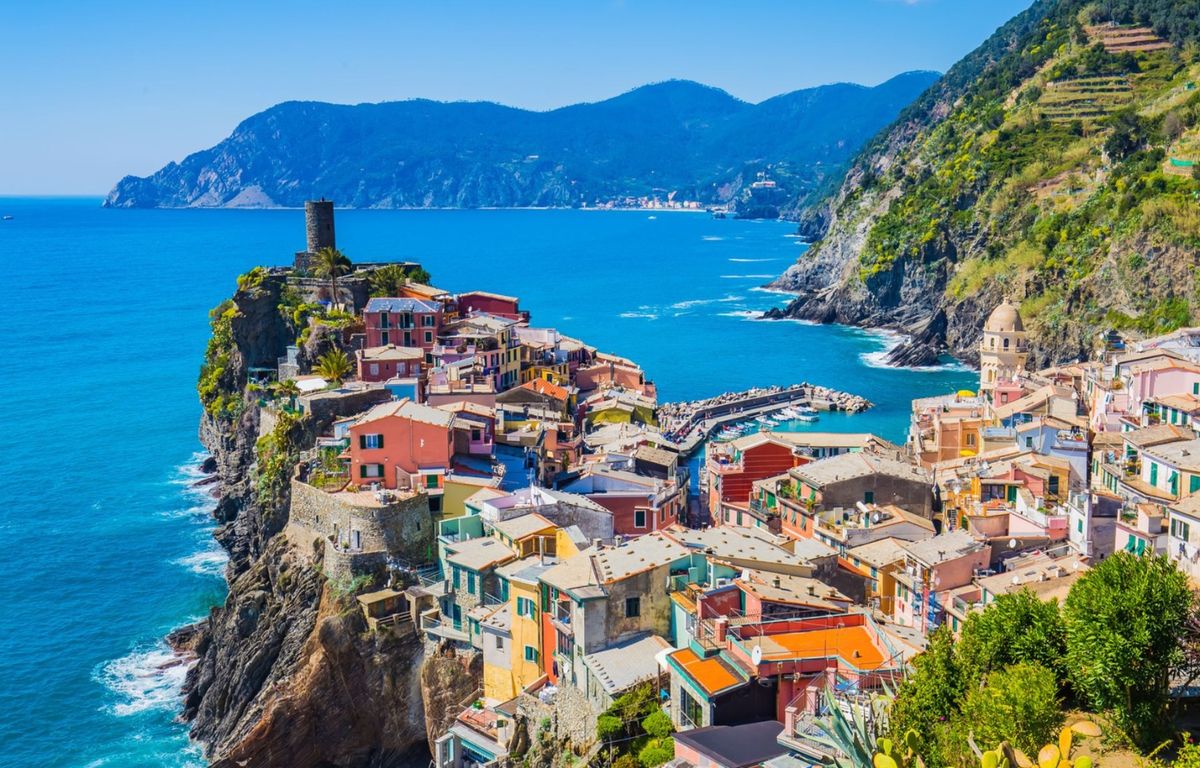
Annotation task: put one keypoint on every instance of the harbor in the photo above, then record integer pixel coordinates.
(689, 424)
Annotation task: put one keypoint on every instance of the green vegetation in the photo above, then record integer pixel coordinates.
(334, 366)
(1124, 622)
(1008, 682)
(1041, 165)
(636, 730)
(388, 280)
(331, 263)
(219, 396)
(276, 454)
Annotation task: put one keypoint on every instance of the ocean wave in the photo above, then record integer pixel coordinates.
(148, 678)
(892, 339)
(189, 471)
(751, 261)
(767, 289)
(745, 314)
(712, 238)
(747, 277)
(209, 561)
(639, 315)
(690, 303)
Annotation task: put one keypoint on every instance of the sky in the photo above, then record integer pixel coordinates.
(94, 91)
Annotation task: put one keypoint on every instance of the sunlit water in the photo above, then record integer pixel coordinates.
(107, 545)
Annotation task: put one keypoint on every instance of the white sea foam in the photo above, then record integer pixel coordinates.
(767, 289)
(751, 261)
(209, 561)
(148, 678)
(890, 340)
(639, 315)
(712, 238)
(746, 277)
(745, 314)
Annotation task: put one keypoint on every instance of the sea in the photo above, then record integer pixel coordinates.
(107, 546)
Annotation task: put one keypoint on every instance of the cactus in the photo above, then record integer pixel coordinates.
(1004, 756)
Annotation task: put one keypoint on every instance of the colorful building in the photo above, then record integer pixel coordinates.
(403, 322)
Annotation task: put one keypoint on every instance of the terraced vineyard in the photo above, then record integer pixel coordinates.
(1126, 39)
(1084, 98)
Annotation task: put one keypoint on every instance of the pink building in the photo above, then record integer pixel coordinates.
(402, 445)
(1162, 377)
(383, 363)
(402, 322)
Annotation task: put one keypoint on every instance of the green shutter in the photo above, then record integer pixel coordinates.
(362, 470)
(381, 441)
(1193, 483)
(362, 441)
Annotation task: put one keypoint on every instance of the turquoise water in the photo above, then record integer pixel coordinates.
(104, 325)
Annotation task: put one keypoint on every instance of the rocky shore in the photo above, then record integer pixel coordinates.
(285, 673)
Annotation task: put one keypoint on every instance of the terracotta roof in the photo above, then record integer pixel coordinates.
(392, 352)
(543, 387)
(712, 674)
(407, 409)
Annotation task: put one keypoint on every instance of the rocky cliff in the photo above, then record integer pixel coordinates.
(1053, 165)
(287, 673)
(695, 141)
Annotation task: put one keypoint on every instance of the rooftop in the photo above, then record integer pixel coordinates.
(713, 674)
(624, 664)
(477, 554)
(1157, 435)
(943, 547)
(879, 553)
(734, 542)
(854, 645)
(407, 409)
(519, 527)
(850, 466)
(735, 746)
(391, 352)
(383, 304)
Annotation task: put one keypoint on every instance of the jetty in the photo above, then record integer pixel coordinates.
(689, 424)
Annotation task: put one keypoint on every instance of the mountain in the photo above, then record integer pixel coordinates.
(696, 141)
(1052, 164)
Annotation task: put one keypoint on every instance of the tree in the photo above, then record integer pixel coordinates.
(1016, 628)
(1124, 620)
(930, 696)
(288, 388)
(331, 263)
(390, 279)
(1018, 704)
(334, 366)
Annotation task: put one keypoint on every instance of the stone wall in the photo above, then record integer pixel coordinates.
(327, 407)
(401, 529)
(571, 717)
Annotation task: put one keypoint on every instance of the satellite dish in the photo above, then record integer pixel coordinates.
(1012, 543)
(756, 655)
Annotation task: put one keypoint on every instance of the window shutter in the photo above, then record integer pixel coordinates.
(362, 442)
(362, 470)
(380, 441)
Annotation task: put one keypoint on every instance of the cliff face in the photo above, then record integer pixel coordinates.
(287, 673)
(1051, 165)
(698, 141)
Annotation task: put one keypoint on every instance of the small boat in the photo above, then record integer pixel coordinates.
(7, 217)
(789, 412)
(767, 421)
(809, 417)
(806, 410)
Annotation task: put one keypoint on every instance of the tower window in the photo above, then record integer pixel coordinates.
(1006, 343)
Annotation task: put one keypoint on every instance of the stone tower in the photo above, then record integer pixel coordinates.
(1004, 349)
(318, 224)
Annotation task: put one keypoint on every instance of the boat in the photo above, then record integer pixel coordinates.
(809, 417)
(789, 412)
(806, 410)
(7, 217)
(767, 421)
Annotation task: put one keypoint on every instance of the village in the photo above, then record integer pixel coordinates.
(517, 499)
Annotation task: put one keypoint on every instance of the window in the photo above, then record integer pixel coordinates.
(868, 497)
(383, 338)
(370, 441)
(1028, 442)
(1006, 343)
(374, 369)
(1181, 530)
(690, 709)
(499, 643)
(526, 608)
(383, 320)
(428, 321)
(633, 607)
(476, 435)
(431, 481)
(531, 654)
(371, 471)
(471, 582)
(457, 578)
(428, 337)
(639, 518)
(971, 439)
(1053, 484)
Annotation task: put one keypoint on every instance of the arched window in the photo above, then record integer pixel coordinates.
(993, 342)
(1006, 344)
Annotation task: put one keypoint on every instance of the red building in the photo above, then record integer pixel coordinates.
(734, 467)
(490, 303)
(402, 322)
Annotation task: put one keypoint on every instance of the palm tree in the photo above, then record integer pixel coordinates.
(390, 279)
(287, 388)
(334, 366)
(331, 263)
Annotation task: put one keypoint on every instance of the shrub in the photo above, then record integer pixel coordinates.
(656, 752)
(658, 724)
(1019, 704)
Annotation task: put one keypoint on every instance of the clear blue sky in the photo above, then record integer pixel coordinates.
(92, 91)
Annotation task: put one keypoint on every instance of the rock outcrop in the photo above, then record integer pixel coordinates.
(286, 671)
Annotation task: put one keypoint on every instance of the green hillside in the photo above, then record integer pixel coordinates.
(1054, 163)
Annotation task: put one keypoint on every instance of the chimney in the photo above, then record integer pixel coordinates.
(720, 630)
(318, 225)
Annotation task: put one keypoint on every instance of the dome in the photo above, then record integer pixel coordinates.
(1004, 319)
